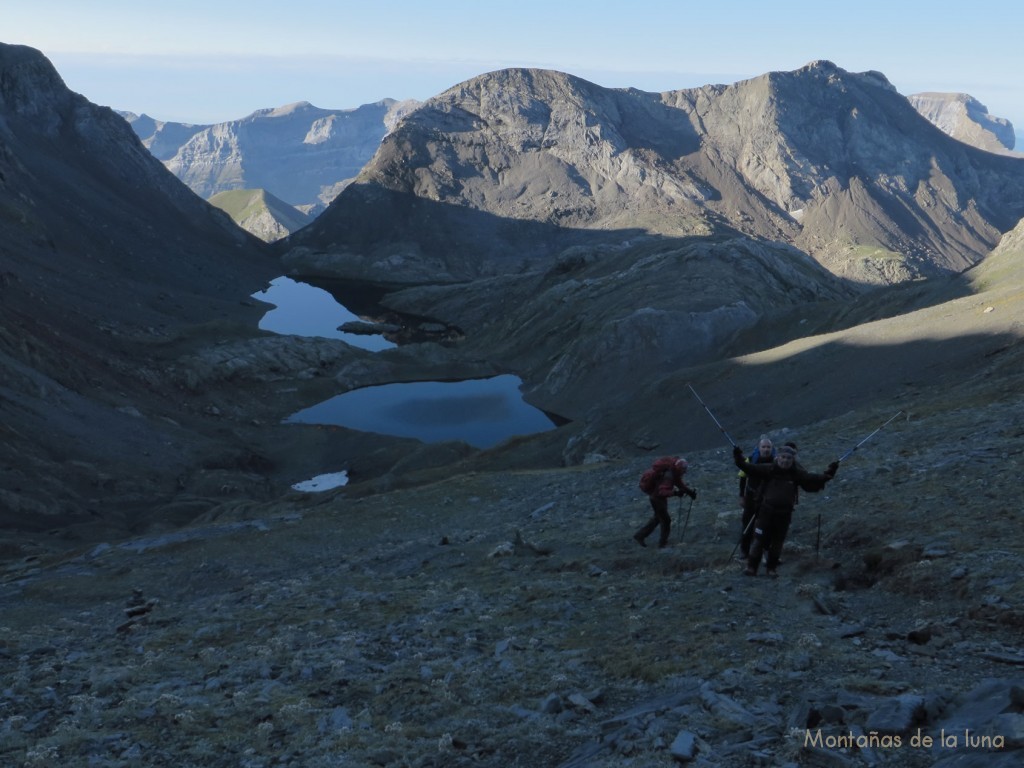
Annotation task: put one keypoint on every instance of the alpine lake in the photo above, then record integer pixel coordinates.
(480, 412)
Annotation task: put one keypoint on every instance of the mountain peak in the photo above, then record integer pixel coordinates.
(822, 65)
(287, 109)
(31, 86)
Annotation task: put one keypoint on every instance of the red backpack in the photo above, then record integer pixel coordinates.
(653, 477)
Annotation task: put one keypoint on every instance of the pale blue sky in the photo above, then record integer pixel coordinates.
(205, 61)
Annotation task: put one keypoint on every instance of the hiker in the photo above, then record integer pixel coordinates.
(663, 480)
(780, 483)
(764, 453)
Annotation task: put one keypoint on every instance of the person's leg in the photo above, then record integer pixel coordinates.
(780, 528)
(747, 530)
(651, 524)
(760, 529)
(665, 521)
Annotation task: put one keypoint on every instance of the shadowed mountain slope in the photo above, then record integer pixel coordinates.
(104, 256)
(838, 164)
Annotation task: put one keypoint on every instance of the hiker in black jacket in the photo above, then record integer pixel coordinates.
(764, 453)
(780, 483)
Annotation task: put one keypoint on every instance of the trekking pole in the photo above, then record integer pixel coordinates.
(712, 416)
(858, 445)
(687, 517)
(733, 553)
(817, 541)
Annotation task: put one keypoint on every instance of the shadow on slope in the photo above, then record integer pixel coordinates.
(781, 392)
(811, 380)
(394, 237)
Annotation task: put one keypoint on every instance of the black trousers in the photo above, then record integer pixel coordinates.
(747, 528)
(770, 529)
(661, 518)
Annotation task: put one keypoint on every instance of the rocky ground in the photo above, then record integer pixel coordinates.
(500, 619)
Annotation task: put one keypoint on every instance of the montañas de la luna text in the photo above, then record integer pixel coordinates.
(875, 740)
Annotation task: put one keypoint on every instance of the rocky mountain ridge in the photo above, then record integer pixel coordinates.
(212, 165)
(505, 171)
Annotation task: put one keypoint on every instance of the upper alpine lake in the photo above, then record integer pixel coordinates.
(302, 309)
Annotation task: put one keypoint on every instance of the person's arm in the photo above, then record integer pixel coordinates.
(752, 470)
(740, 460)
(813, 482)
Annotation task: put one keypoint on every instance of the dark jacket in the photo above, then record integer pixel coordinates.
(756, 457)
(779, 487)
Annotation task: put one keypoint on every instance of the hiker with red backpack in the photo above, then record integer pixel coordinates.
(780, 482)
(662, 481)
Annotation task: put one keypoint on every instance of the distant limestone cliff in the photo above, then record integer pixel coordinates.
(300, 153)
(966, 119)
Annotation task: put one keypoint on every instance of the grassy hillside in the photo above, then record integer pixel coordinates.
(259, 212)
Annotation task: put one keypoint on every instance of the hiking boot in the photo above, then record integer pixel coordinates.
(662, 544)
(750, 571)
(639, 539)
(773, 573)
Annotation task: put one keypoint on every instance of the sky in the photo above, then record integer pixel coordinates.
(210, 61)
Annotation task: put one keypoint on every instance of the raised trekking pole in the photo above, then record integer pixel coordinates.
(733, 444)
(858, 445)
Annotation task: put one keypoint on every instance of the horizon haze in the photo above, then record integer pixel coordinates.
(237, 59)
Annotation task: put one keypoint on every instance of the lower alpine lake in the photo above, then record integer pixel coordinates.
(480, 412)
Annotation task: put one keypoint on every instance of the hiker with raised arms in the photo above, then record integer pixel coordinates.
(781, 481)
(662, 481)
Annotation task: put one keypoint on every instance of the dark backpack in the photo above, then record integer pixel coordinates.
(653, 477)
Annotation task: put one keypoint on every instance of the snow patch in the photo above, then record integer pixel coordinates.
(323, 482)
